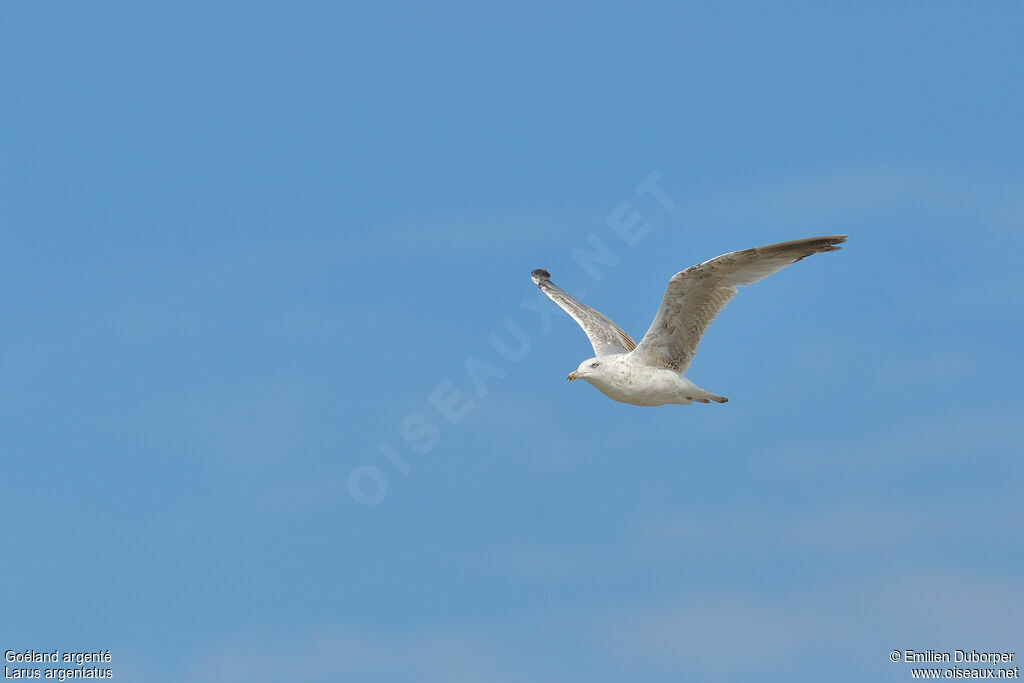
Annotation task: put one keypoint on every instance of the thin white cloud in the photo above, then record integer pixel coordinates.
(484, 231)
(850, 625)
(847, 625)
(441, 655)
(992, 200)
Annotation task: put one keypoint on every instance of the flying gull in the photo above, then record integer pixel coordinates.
(651, 373)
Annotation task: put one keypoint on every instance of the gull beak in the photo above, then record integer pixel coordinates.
(572, 376)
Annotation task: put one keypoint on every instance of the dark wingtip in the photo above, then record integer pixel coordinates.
(540, 274)
(833, 241)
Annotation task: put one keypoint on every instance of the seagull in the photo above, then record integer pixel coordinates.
(651, 373)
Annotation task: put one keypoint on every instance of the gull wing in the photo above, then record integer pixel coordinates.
(605, 336)
(696, 295)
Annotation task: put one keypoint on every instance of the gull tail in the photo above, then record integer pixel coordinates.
(708, 397)
(701, 396)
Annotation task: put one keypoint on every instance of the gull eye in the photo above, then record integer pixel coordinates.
(594, 365)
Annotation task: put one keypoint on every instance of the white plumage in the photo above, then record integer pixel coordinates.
(651, 373)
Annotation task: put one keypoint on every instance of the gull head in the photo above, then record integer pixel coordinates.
(589, 370)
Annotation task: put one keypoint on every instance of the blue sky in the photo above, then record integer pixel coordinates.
(243, 244)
